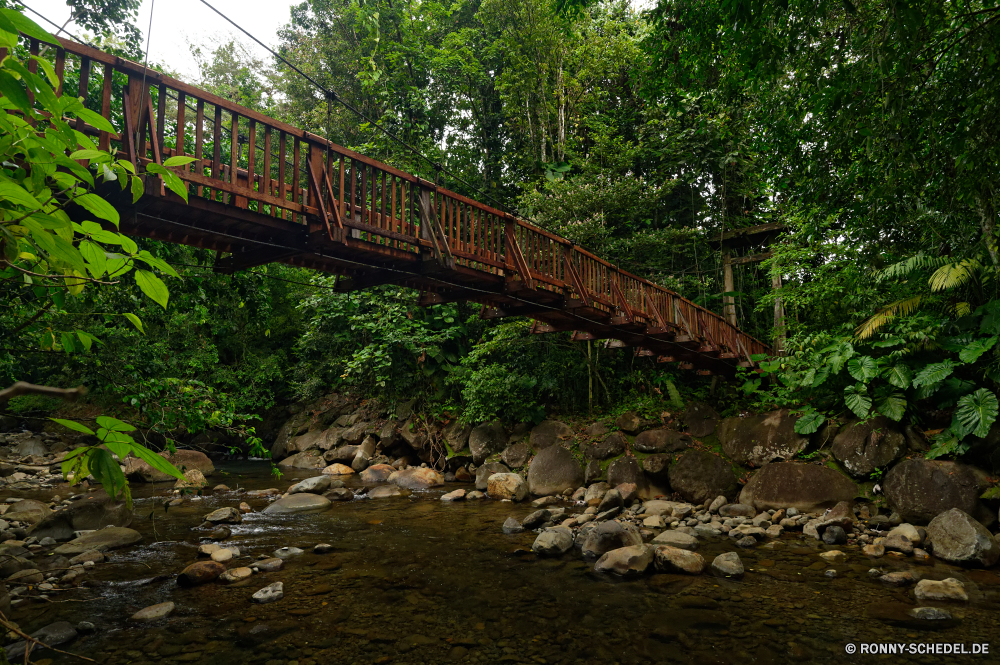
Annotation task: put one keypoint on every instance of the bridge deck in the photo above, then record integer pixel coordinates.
(262, 191)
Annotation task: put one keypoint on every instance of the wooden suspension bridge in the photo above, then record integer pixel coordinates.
(263, 191)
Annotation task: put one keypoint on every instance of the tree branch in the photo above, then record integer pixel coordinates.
(24, 388)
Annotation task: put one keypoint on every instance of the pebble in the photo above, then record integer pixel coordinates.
(323, 548)
(270, 593)
(947, 589)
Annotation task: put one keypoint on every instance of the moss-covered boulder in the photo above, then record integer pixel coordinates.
(805, 487)
(762, 438)
(699, 475)
(920, 489)
(864, 446)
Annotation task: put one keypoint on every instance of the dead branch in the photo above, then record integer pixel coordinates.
(28, 638)
(24, 388)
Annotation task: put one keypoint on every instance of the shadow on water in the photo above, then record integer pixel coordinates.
(418, 580)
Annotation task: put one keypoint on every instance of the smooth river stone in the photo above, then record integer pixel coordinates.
(153, 612)
(299, 503)
(101, 540)
(200, 573)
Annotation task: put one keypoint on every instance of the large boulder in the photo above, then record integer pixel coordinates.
(113, 537)
(626, 561)
(701, 419)
(484, 472)
(612, 445)
(629, 422)
(416, 478)
(487, 439)
(553, 541)
(87, 514)
(805, 487)
(864, 446)
(958, 538)
(31, 446)
(183, 459)
(626, 469)
(516, 454)
(509, 486)
(759, 439)
(311, 439)
(299, 503)
(554, 470)
(309, 459)
(662, 440)
(657, 467)
(920, 489)
(549, 433)
(343, 454)
(315, 485)
(457, 435)
(607, 536)
(698, 476)
(377, 473)
(29, 511)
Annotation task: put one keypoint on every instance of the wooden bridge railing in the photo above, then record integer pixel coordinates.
(248, 160)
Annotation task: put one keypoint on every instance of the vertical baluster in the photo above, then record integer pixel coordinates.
(296, 150)
(60, 69)
(340, 192)
(354, 190)
(217, 150)
(234, 156)
(199, 137)
(252, 156)
(364, 193)
(282, 188)
(383, 222)
(179, 140)
(161, 118)
(104, 138)
(84, 85)
(267, 184)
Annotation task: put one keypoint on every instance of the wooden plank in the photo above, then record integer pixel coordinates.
(104, 138)
(252, 154)
(60, 69)
(235, 189)
(161, 115)
(296, 151)
(217, 147)
(179, 141)
(282, 185)
(266, 168)
(84, 87)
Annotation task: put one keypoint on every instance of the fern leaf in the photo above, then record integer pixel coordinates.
(952, 275)
(886, 314)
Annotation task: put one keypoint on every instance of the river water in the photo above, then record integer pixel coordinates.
(417, 580)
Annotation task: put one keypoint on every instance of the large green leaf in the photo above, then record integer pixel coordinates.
(893, 407)
(158, 462)
(108, 473)
(810, 421)
(113, 424)
(933, 373)
(135, 320)
(95, 205)
(978, 411)
(862, 368)
(153, 287)
(17, 195)
(857, 400)
(976, 348)
(73, 425)
(899, 375)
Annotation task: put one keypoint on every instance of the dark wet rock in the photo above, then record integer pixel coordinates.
(930, 614)
(29, 511)
(55, 635)
(596, 430)
(309, 459)
(315, 485)
(199, 573)
(549, 433)
(759, 439)
(698, 476)
(612, 445)
(554, 470)
(457, 435)
(701, 419)
(376, 473)
(484, 472)
(269, 594)
(153, 613)
(227, 515)
(629, 492)
(746, 542)
(182, 459)
(607, 536)
(516, 455)
(553, 541)
(958, 538)
(657, 467)
(920, 489)
(899, 578)
(113, 537)
(512, 526)
(593, 471)
(626, 561)
(219, 533)
(611, 499)
(834, 535)
(897, 543)
(627, 469)
(89, 555)
(728, 565)
(864, 446)
(26, 576)
(31, 446)
(417, 478)
(340, 494)
(388, 492)
(536, 519)
(675, 560)
(736, 510)
(509, 486)
(805, 487)
(629, 422)
(487, 439)
(344, 454)
(298, 503)
(841, 515)
(288, 552)
(662, 440)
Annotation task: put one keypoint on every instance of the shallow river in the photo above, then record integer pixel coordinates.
(418, 580)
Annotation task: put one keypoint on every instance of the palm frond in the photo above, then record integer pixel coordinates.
(952, 275)
(962, 309)
(886, 314)
(918, 261)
